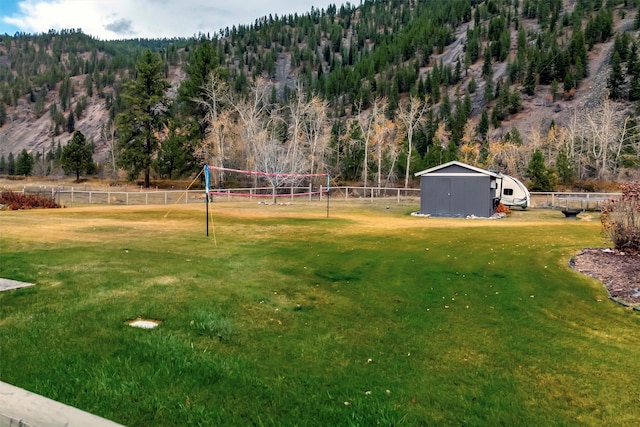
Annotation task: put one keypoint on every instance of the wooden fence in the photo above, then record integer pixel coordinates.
(571, 200)
(81, 196)
(72, 196)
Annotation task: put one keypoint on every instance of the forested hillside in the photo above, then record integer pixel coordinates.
(370, 93)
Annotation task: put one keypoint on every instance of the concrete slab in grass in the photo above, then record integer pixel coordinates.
(8, 284)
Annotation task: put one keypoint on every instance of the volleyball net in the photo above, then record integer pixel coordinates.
(297, 184)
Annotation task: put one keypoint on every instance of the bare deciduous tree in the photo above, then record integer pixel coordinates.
(470, 148)
(603, 126)
(108, 134)
(411, 115)
(366, 122)
(279, 165)
(316, 135)
(252, 111)
(215, 147)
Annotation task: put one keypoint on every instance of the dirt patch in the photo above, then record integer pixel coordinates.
(618, 271)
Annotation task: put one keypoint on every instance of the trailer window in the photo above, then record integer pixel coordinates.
(508, 192)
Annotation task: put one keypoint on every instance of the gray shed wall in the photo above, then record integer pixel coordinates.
(456, 196)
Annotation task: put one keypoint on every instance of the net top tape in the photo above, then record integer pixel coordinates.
(293, 175)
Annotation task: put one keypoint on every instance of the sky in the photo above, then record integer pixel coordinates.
(125, 19)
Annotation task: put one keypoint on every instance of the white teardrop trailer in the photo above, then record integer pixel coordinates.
(513, 192)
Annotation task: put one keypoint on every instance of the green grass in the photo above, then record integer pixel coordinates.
(370, 317)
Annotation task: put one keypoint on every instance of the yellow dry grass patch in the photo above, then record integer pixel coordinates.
(162, 280)
(76, 224)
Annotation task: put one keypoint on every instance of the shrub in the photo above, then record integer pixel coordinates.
(621, 219)
(15, 201)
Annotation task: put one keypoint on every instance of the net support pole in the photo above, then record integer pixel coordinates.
(328, 192)
(206, 195)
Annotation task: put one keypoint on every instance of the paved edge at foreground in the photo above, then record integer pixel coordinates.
(8, 284)
(19, 407)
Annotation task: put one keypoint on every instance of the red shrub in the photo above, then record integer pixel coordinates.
(17, 201)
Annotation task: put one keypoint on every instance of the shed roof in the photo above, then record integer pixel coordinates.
(472, 170)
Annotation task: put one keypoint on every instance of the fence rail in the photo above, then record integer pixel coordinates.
(70, 196)
(74, 196)
(571, 200)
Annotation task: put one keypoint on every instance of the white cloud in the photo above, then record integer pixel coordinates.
(110, 19)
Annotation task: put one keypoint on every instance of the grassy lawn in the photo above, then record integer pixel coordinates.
(285, 317)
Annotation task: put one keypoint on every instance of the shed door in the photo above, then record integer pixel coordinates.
(442, 196)
(462, 194)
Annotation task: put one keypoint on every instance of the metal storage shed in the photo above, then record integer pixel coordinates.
(456, 189)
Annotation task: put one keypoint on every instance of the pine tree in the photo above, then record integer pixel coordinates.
(569, 82)
(483, 125)
(202, 62)
(515, 103)
(145, 115)
(632, 59)
(563, 167)
(71, 122)
(77, 155)
(537, 172)
(58, 154)
(175, 156)
(487, 69)
(616, 77)
(634, 88)
(24, 163)
(530, 81)
(11, 164)
(3, 114)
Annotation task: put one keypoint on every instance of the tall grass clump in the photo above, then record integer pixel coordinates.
(621, 219)
(213, 324)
